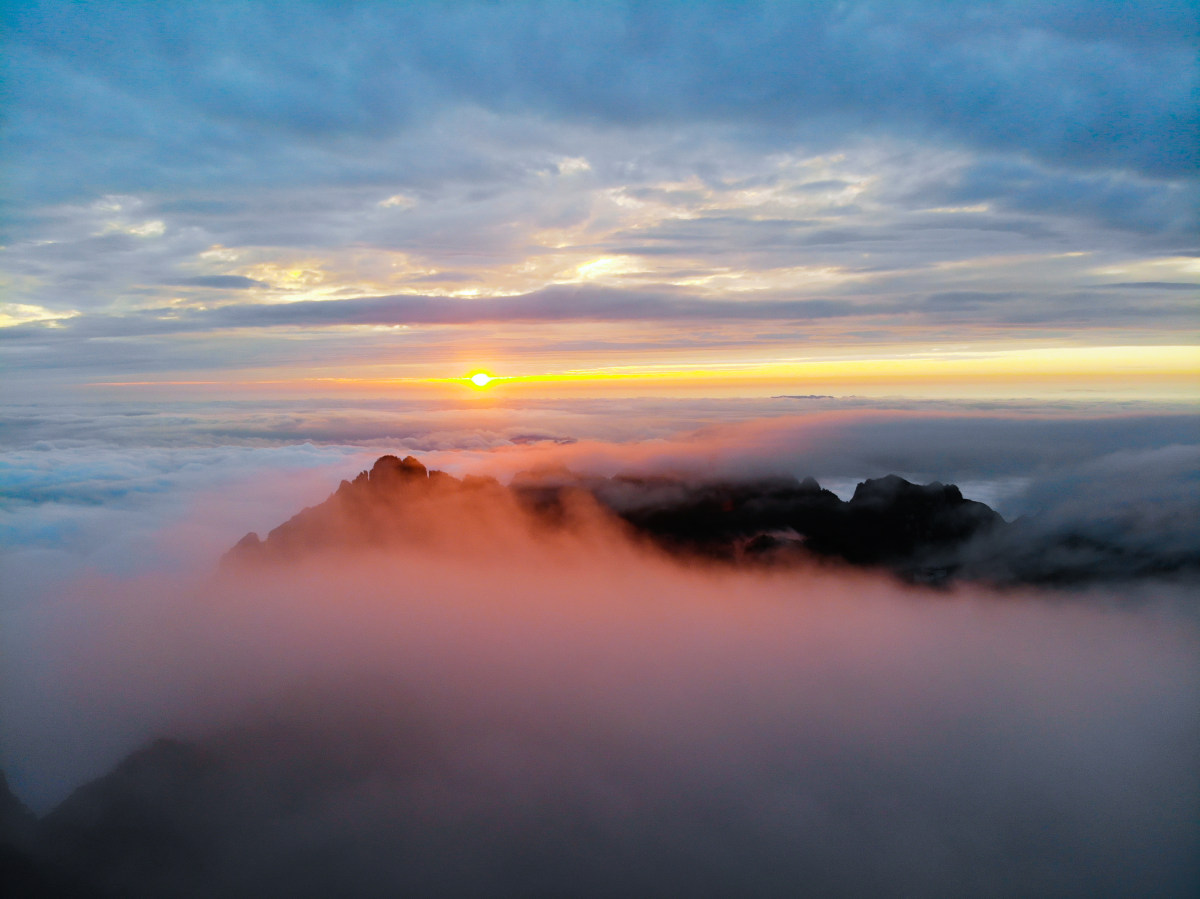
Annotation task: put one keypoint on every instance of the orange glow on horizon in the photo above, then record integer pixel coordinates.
(1172, 371)
(1081, 366)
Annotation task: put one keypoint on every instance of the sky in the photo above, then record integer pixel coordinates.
(730, 199)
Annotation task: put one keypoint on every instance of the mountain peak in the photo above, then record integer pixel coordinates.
(889, 522)
(389, 470)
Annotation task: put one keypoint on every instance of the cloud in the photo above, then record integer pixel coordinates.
(91, 504)
(1148, 285)
(670, 722)
(688, 212)
(551, 304)
(223, 282)
(443, 277)
(538, 710)
(855, 157)
(99, 490)
(223, 91)
(735, 321)
(1113, 199)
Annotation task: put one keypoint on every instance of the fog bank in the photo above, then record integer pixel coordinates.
(491, 707)
(569, 712)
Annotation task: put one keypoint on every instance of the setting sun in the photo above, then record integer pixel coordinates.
(480, 379)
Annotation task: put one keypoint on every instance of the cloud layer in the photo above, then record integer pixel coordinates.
(1081, 83)
(88, 483)
(778, 179)
(566, 712)
(550, 703)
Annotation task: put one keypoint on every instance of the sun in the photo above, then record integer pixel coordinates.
(481, 379)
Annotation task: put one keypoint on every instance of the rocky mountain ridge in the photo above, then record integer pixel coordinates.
(922, 533)
(916, 531)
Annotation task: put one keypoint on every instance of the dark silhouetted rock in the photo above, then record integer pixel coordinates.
(17, 823)
(890, 521)
(129, 802)
(249, 546)
(26, 869)
(390, 471)
(923, 533)
(913, 530)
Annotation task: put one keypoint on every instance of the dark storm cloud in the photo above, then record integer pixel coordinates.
(229, 93)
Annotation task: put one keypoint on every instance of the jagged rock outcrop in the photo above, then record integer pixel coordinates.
(176, 818)
(396, 500)
(923, 533)
(913, 530)
(26, 869)
(16, 821)
(889, 521)
(147, 816)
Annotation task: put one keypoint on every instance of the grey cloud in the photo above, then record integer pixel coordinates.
(66, 263)
(959, 299)
(895, 238)
(1129, 509)
(816, 186)
(1115, 200)
(441, 277)
(584, 304)
(223, 282)
(98, 504)
(1066, 461)
(725, 235)
(978, 443)
(573, 304)
(426, 330)
(213, 95)
(1149, 285)
(962, 224)
(550, 304)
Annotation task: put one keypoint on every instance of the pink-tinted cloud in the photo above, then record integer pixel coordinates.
(527, 681)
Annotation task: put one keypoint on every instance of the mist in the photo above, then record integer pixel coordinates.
(490, 707)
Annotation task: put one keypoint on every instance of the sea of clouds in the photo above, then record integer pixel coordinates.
(498, 709)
